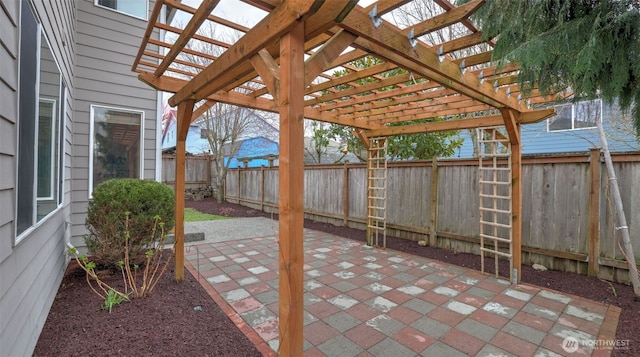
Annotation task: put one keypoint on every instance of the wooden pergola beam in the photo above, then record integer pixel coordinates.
(172, 85)
(359, 89)
(395, 101)
(223, 71)
(459, 124)
(391, 44)
(460, 43)
(445, 19)
(202, 109)
(157, 8)
(351, 77)
(186, 8)
(385, 6)
(199, 17)
(268, 70)
(321, 59)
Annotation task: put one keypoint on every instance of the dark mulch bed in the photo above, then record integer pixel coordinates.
(166, 324)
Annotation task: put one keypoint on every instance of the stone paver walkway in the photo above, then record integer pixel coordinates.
(361, 301)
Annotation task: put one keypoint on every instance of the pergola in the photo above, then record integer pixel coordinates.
(284, 64)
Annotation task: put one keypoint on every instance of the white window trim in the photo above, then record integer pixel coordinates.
(59, 203)
(54, 126)
(146, 11)
(91, 140)
(573, 118)
(62, 152)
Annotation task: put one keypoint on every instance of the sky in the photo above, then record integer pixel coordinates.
(239, 12)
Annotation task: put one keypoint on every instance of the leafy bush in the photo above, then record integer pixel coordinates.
(143, 202)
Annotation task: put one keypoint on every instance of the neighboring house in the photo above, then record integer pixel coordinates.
(572, 130)
(72, 114)
(332, 154)
(254, 146)
(253, 152)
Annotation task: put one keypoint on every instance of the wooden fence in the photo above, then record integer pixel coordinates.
(199, 171)
(568, 223)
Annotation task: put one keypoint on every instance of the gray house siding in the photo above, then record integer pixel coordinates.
(31, 269)
(93, 48)
(107, 42)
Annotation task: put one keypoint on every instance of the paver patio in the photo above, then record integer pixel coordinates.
(363, 301)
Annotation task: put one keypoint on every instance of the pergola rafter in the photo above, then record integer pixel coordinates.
(288, 63)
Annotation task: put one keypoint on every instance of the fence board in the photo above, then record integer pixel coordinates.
(628, 175)
(554, 204)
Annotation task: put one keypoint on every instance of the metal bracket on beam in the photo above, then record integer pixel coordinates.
(519, 98)
(412, 39)
(495, 86)
(463, 66)
(373, 15)
(441, 53)
(509, 92)
(481, 77)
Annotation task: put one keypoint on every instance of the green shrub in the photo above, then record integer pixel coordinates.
(144, 201)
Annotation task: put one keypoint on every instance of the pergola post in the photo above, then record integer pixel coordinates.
(516, 180)
(291, 182)
(185, 112)
(513, 129)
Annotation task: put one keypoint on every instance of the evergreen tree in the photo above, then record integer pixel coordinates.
(589, 46)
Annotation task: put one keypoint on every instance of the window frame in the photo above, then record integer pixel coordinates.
(92, 108)
(146, 10)
(573, 116)
(52, 150)
(58, 134)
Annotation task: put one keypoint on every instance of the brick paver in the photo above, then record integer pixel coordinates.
(361, 301)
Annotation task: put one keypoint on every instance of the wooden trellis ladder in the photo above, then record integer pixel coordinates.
(496, 231)
(377, 192)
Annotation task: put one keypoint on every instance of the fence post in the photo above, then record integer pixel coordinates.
(239, 184)
(208, 166)
(345, 194)
(433, 209)
(594, 212)
(262, 188)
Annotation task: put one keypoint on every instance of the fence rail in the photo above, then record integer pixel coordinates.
(568, 220)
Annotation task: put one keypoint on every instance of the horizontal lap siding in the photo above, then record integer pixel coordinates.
(107, 42)
(31, 270)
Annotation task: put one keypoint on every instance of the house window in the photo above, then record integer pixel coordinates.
(137, 8)
(204, 133)
(582, 115)
(116, 138)
(40, 124)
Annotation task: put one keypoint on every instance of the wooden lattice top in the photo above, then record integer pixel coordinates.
(432, 63)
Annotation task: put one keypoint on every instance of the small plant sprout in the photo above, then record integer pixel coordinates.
(113, 298)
